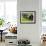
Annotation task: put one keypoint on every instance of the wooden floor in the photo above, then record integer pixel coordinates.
(44, 44)
(2, 43)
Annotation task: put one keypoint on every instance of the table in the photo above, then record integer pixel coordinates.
(1, 34)
(10, 39)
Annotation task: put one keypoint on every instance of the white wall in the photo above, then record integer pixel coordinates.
(30, 31)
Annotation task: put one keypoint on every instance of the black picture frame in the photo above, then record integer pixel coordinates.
(27, 17)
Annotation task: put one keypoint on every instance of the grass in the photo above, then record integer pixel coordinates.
(25, 19)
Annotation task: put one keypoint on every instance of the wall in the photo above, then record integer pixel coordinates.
(30, 31)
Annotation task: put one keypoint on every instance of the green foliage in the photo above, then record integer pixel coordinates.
(1, 22)
(25, 16)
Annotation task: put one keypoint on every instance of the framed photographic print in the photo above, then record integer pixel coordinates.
(27, 17)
